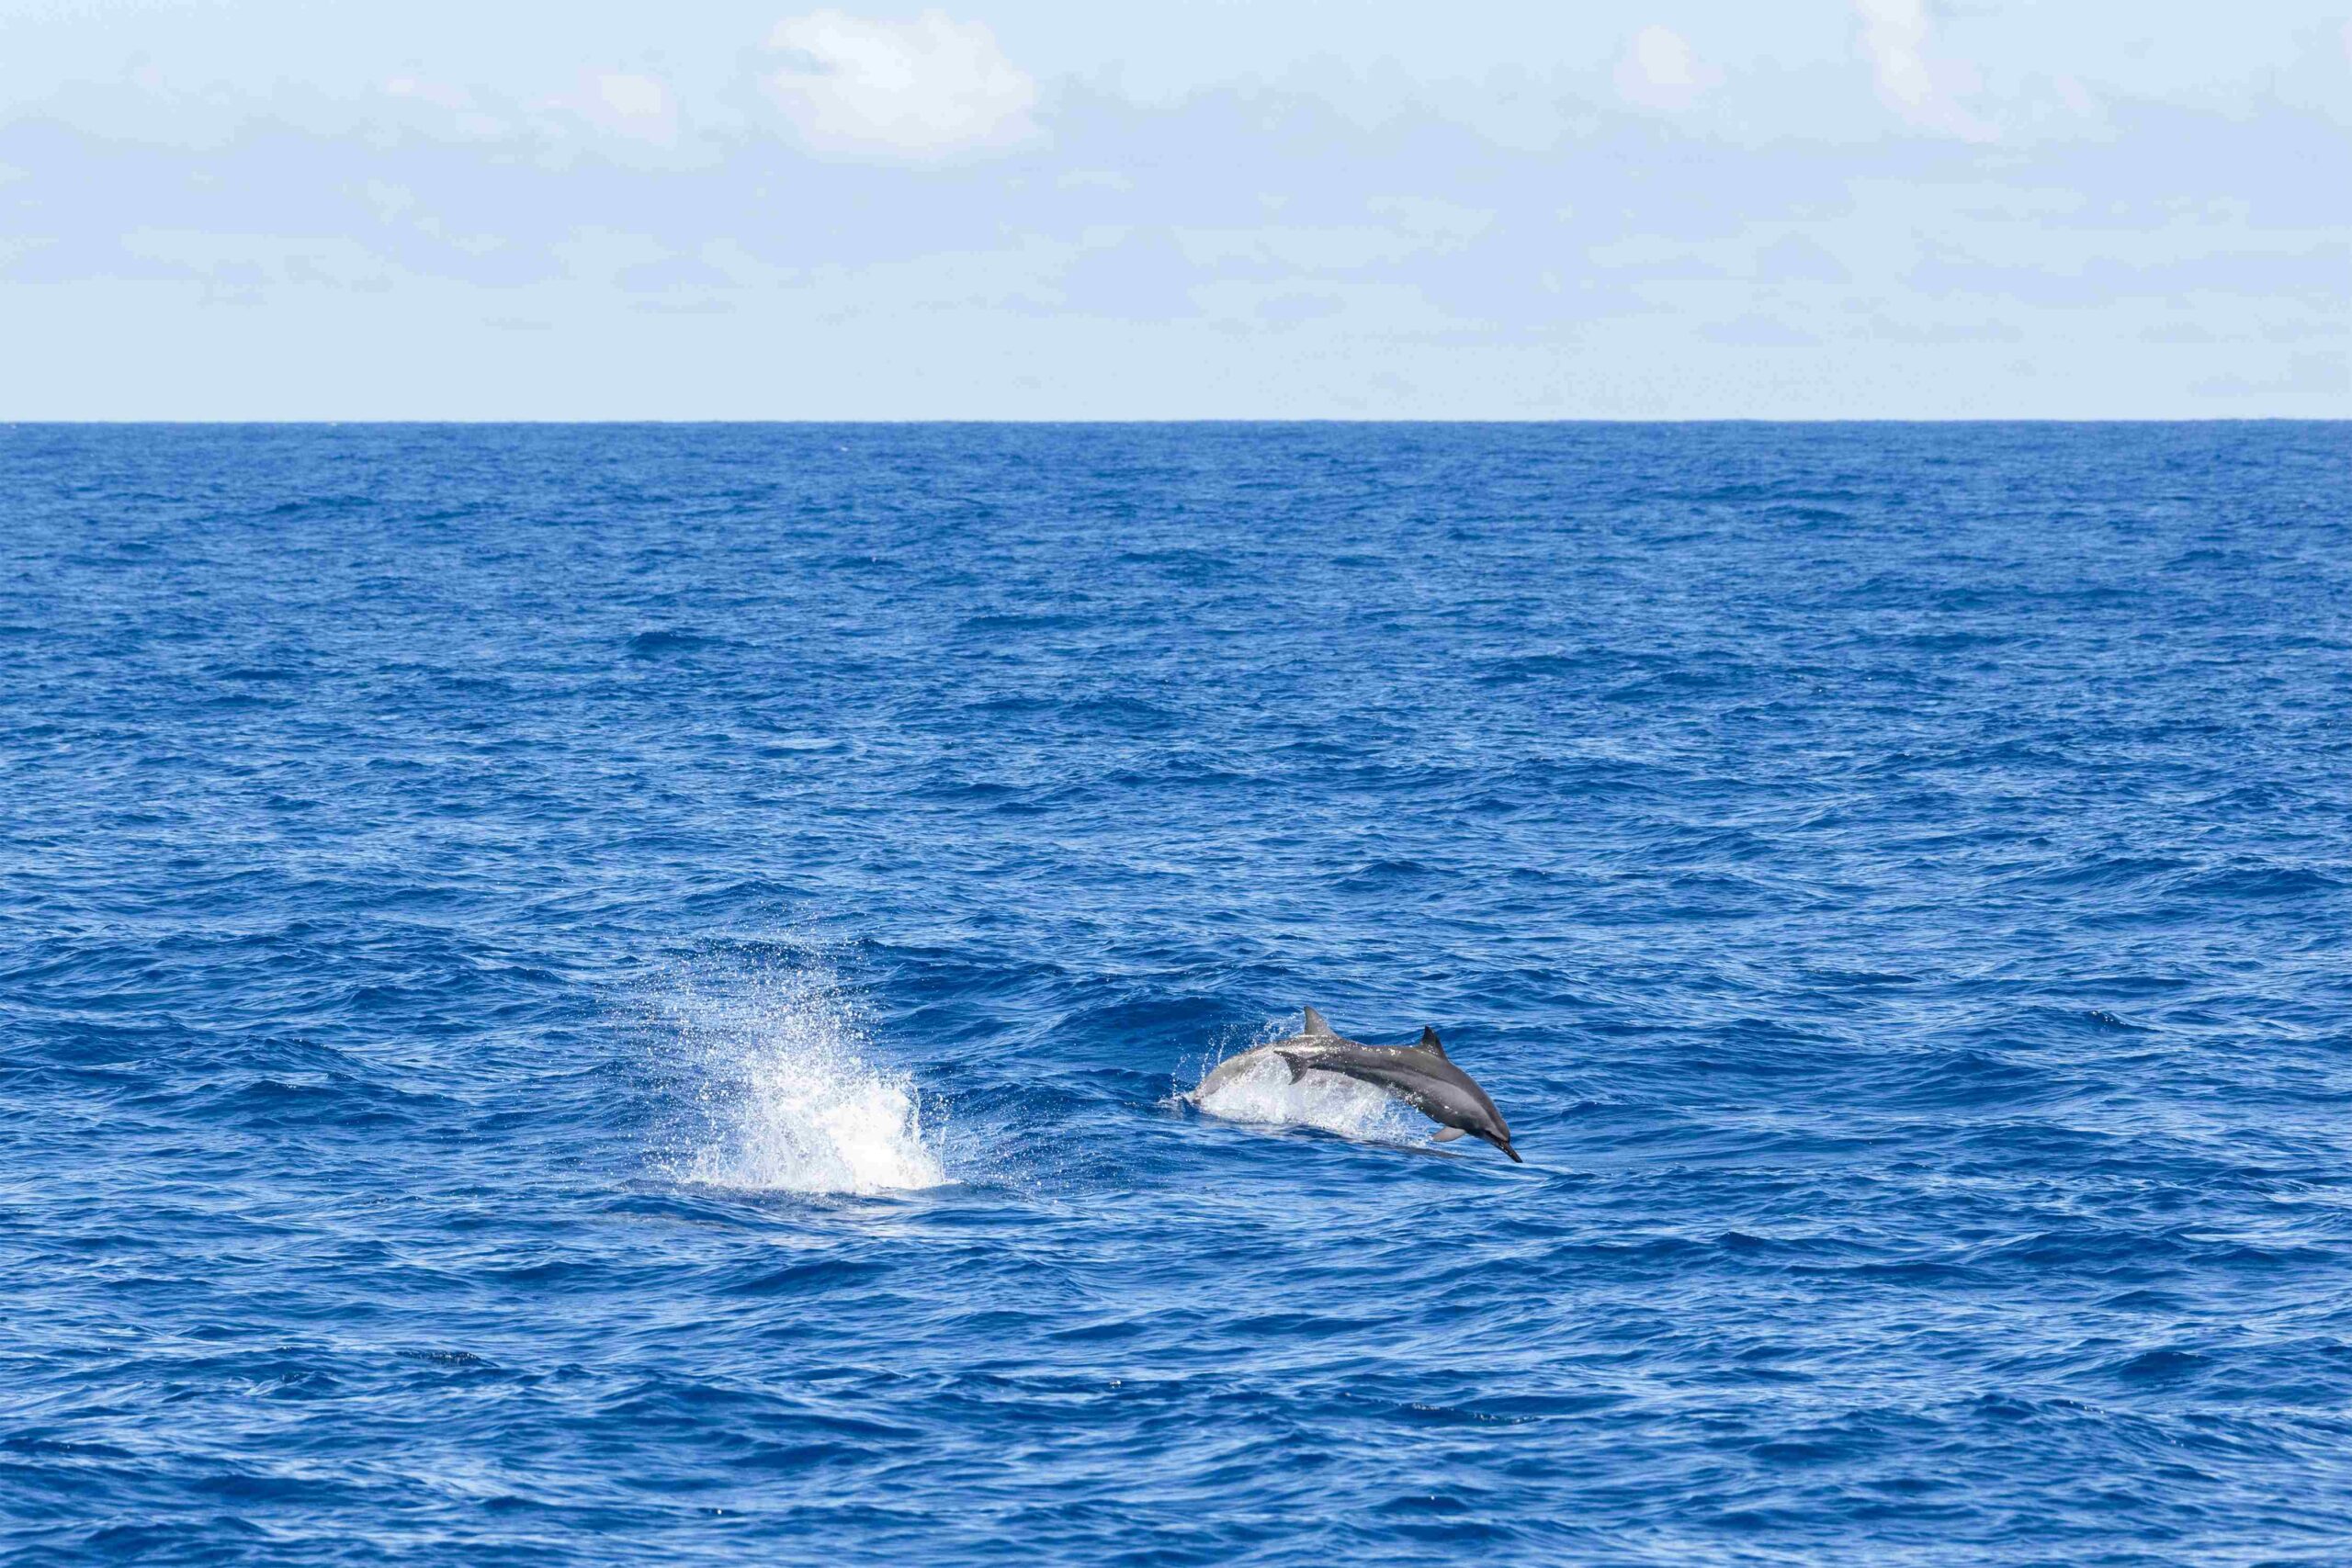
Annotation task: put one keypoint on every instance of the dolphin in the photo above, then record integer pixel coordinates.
(1316, 1037)
(1420, 1075)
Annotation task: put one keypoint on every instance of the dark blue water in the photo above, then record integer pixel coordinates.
(619, 995)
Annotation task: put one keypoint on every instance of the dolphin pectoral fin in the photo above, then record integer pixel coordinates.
(1315, 1024)
(1290, 1059)
(1445, 1135)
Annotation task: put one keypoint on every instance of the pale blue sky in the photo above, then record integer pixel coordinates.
(1011, 209)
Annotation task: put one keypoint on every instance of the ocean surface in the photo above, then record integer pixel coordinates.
(623, 995)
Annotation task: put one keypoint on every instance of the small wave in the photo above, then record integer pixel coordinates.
(1265, 1094)
(659, 640)
(788, 1097)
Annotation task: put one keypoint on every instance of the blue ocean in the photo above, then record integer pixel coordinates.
(628, 994)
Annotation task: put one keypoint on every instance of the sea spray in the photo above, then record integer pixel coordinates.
(783, 1090)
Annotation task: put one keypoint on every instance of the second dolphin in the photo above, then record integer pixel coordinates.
(1420, 1075)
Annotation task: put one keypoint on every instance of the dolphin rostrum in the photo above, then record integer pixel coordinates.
(1420, 1075)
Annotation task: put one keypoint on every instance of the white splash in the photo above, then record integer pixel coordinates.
(1263, 1091)
(790, 1097)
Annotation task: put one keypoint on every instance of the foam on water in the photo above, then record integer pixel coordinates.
(1265, 1094)
(786, 1094)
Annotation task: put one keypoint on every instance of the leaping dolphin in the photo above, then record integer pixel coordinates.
(1240, 1065)
(1420, 1075)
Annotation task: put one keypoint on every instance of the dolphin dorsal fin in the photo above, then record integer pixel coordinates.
(1429, 1041)
(1315, 1024)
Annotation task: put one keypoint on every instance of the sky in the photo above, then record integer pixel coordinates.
(1282, 209)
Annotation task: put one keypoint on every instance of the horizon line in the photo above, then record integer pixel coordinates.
(330, 423)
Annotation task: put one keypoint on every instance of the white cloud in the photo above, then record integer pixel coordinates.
(926, 89)
(640, 107)
(458, 113)
(1895, 36)
(1659, 71)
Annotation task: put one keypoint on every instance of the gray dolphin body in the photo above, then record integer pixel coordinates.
(1420, 1075)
